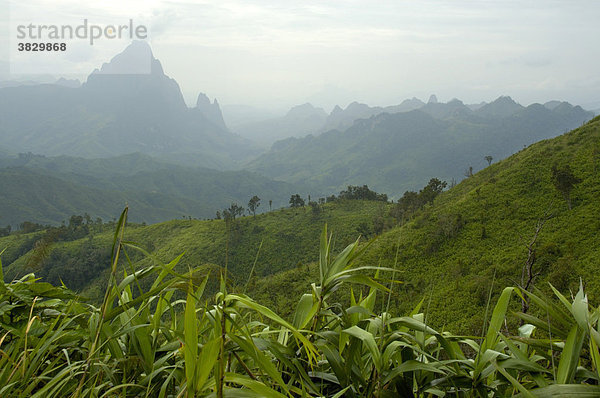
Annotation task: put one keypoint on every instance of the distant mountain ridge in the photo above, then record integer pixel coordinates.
(395, 152)
(299, 121)
(128, 105)
(315, 121)
(50, 189)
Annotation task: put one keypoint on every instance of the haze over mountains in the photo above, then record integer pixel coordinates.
(396, 152)
(126, 135)
(307, 119)
(117, 111)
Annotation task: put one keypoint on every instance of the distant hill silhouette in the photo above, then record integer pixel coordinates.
(50, 189)
(128, 105)
(401, 151)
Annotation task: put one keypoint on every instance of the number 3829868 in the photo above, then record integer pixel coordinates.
(42, 46)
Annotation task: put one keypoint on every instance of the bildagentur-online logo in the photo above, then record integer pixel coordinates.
(86, 31)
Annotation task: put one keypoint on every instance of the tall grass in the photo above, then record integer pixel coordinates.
(169, 340)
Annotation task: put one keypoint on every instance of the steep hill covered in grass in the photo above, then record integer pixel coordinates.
(473, 239)
(289, 240)
(475, 236)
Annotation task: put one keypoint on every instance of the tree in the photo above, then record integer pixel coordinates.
(469, 172)
(75, 221)
(296, 201)
(489, 159)
(218, 215)
(362, 193)
(253, 204)
(564, 181)
(5, 231)
(431, 190)
(270, 204)
(315, 207)
(528, 275)
(232, 212)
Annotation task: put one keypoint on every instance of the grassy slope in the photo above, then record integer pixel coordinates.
(290, 239)
(451, 264)
(453, 270)
(31, 196)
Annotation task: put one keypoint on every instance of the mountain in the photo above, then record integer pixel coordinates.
(341, 119)
(396, 152)
(405, 106)
(299, 121)
(305, 119)
(501, 107)
(470, 241)
(51, 189)
(36, 197)
(552, 104)
(210, 111)
(474, 238)
(441, 110)
(128, 105)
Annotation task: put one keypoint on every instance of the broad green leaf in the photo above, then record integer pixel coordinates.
(190, 340)
(498, 316)
(256, 386)
(368, 340)
(305, 311)
(569, 358)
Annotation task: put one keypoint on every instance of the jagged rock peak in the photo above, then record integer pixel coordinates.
(337, 109)
(504, 99)
(203, 101)
(211, 111)
(137, 58)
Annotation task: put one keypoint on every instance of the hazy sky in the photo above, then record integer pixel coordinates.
(280, 53)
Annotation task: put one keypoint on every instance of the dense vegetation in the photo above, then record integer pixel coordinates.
(50, 189)
(145, 342)
(454, 244)
(484, 232)
(82, 264)
(449, 296)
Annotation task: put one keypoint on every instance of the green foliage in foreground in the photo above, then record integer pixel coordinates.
(145, 342)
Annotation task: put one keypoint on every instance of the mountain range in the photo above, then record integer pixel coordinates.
(126, 135)
(115, 112)
(395, 152)
(468, 243)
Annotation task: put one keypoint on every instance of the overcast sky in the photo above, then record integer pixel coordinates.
(281, 53)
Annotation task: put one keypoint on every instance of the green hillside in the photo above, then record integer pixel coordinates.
(476, 235)
(51, 189)
(448, 330)
(472, 238)
(288, 239)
